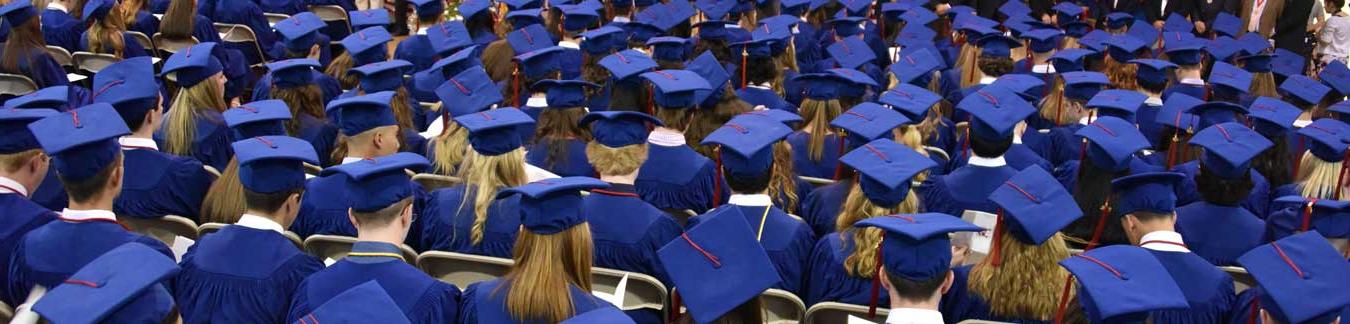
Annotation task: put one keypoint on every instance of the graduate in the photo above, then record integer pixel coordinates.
(746, 160)
(930, 131)
(183, 23)
(49, 194)
(107, 32)
(1121, 284)
(480, 18)
(1146, 206)
(675, 177)
(83, 147)
(1065, 111)
(785, 187)
(551, 278)
(382, 207)
(23, 165)
(454, 54)
(417, 48)
(157, 183)
(1319, 169)
(1152, 77)
(469, 217)
(467, 92)
(995, 112)
(719, 269)
(1112, 152)
(210, 289)
(1044, 43)
(762, 76)
(301, 39)
(559, 141)
(59, 28)
(862, 124)
(225, 200)
(1305, 93)
(300, 84)
(595, 45)
(387, 76)
(364, 303)
(1220, 229)
(28, 56)
(915, 263)
(1230, 84)
(572, 20)
(370, 131)
(816, 147)
(1274, 120)
(842, 265)
(669, 52)
(362, 47)
(193, 126)
(1310, 293)
(130, 287)
(626, 88)
(1187, 55)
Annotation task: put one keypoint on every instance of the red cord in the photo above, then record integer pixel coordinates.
(717, 183)
(994, 255)
(876, 284)
(1298, 156)
(839, 167)
(1101, 225)
(1064, 299)
(1287, 260)
(1307, 215)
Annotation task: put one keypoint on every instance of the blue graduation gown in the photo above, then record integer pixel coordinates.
(159, 6)
(1056, 144)
(449, 223)
(321, 134)
(243, 13)
(828, 282)
(573, 164)
(212, 143)
(240, 275)
(627, 231)
(61, 30)
(764, 97)
(50, 194)
(678, 178)
(130, 47)
(965, 188)
(570, 60)
(146, 23)
(20, 216)
(287, 7)
(820, 208)
(1146, 117)
(417, 50)
(1019, 156)
(158, 184)
(1257, 200)
(54, 251)
(40, 67)
(328, 86)
(960, 304)
(1208, 290)
(801, 158)
(323, 210)
(1188, 89)
(421, 298)
(787, 241)
(413, 142)
(485, 302)
(1217, 233)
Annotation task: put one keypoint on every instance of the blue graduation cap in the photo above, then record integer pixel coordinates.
(673, 13)
(627, 63)
(1069, 59)
(470, 8)
(1229, 148)
(1341, 110)
(1147, 192)
(293, 73)
(382, 181)
(49, 97)
(917, 36)
(1117, 103)
(856, 82)
(1302, 278)
(677, 88)
(1036, 204)
(192, 65)
(1043, 40)
(996, 111)
(820, 86)
(713, 29)
(356, 115)
(714, 9)
(1122, 47)
(539, 63)
(1254, 43)
(1227, 25)
(1077, 29)
(619, 128)
(997, 45)
(382, 76)
(846, 26)
(1175, 112)
(1287, 63)
(456, 63)
(449, 37)
(14, 123)
(1337, 76)
(564, 93)
(1325, 136)
(782, 116)
(1114, 142)
(915, 246)
(747, 144)
(1326, 216)
(918, 16)
(668, 48)
(1223, 48)
(300, 32)
(718, 264)
(365, 303)
(468, 92)
(1083, 85)
(525, 17)
(761, 47)
(96, 9)
(1153, 71)
(370, 18)
(1118, 20)
(529, 38)
(127, 275)
(496, 131)
(1068, 11)
(367, 45)
(1304, 91)
(1217, 112)
(1029, 87)
(914, 65)
(1256, 63)
(850, 52)
(607, 315)
(1144, 32)
(912, 101)
(1013, 9)
(1094, 40)
(1187, 51)
(552, 205)
(712, 71)
(1229, 79)
(129, 86)
(258, 118)
(868, 121)
(271, 164)
(1177, 23)
(580, 16)
(429, 9)
(886, 169)
(18, 12)
(856, 7)
(1122, 284)
(82, 142)
(1272, 117)
(604, 40)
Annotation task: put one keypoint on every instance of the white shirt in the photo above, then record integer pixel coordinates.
(987, 162)
(1254, 24)
(913, 316)
(756, 200)
(351, 159)
(422, 31)
(1193, 81)
(621, 19)
(56, 6)
(259, 222)
(569, 44)
(132, 143)
(663, 137)
(1335, 38)
(1043, 68)
(539, 102)
(1155, 101)
(8, 185)
(78, 215)
(1163, 241)
(987, 79)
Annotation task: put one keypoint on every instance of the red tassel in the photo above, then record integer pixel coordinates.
(876, 285)
(744, 60)
(1298, 157)
(839, 167)
(1059, 110)
(995, 256)
(1256, 309)
(1101, 225)
(651, 100)
(1307, 215)
(515, 87)
(1064, 299)
(1340, 176)
(717, 183)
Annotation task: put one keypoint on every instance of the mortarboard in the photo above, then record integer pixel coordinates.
(604, 40)
(367, 45)
(356, 115)
(429, 9)
(1036, 205)
(1303, 91)
(914, 65)
(1227, 25)
(856, 7)
(540, 62)
(627, 63)
(845, 26)
(886, 169)
(915, 36)
(962, 11)
(747, 144)
(96, 9)
(668, 48)
(529, 38)
(468, 92)
(1069, 59)
(580, 16)
(470, 8)
(1256, 63)
(50, 97)
(1013, 9)
(1029, 87)
(1068, 11)
(1117, 103)
(380, 182)
(1083, 85)
(370, 18)
(1341, 110)
(1153, 71)
(525, 17)
(619, 128)
(1187, 51)
(1230, 79)
(192, 65)
(82, 142)
(1337, 76)
(868, 121)
(1077, 29)
(912, 101)
(714, 9)
(17, 12)
(564, 93)
(1326, 216)
(1325, 139)
(1094, 40)
(1147, 192)
(1272, 117)
(918, 16)
(1122, 284)
(793, 7)
(449, 37)
(1177, 23)
(382, 76)
(760, 48)
(1254, 43)
(129, 86)
(293, 73)
(1113, 142)
(1175, 112)
(495, 131)
(915, 246)
(1144, 32)
(997, 45)
(713, 29)
(1222, 48)
(1043, 40)
(676, 88)
(258, 118)
(1302, 278)
(782, 116)
(851, 52)
(300, 32)
(1217, 112)
(718, 264)
(1122, 47)
(856, 82)
(129, 274)
(712, 71)
(552, 205)
(1118, 20)
(820, 86)
(456, 63)
(364, 303)
(996, 111)
(14, 123)
(272, 164)
(1229, 148)
(1287, 63)
(606, 315)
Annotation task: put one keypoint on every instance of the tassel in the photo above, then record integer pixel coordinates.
(876, 285)
(717, 183)
(1101, 225)
(651, 100)
(515, 87)
(1307, 215)
(839, 167)
(1298, 157)
(1064, 300)
(1340, 176)
(995, 255)
(1059, 110)
(1172, 150)
(744, 61)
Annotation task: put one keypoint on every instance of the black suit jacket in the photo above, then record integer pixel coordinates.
(1154, 11)
(1292, 26)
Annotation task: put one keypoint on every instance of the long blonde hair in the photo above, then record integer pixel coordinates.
(1317, 178)
(538, 291)
(862, 263)
(1263, 85)
(1027, 283)
(783, 185)
(224, 201)
(450, 148)
(488, 174)
(816, 115)
(105, 35)
(1058, 109)
(180, 128)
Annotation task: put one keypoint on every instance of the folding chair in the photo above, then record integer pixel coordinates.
(165, 46)
(782, 307)
(461, 269)
(336, 18)
(91, 63)
(642, 292)
(235, 33)
(274, 18)
(432, 182)
(940, 152)
(62, 56)
(336, 247)
(817, 182)
(163, 229)
(209, 228)
(835, 312)
(1241, 279)
(141, 38)
(16, 85)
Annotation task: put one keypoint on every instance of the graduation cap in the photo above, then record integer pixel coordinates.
(258, 118)
(604, 40)
(96, 9)
(1256, 63)
(1177, 23)
(915, 36)
(1147, 192)
(495, 131)
(1186, 51)
(747, 144)
(82, 142)
(668, 48)
(1302, 278)
(1094, 40)
(129, 86)
(793, 7)
(1069, 59)
(856, 7)
(1029, 87)
(760, 48)
(997, 45)
(382, 76)
(552, 205)
(449, 37)
(300, 32)
(470, 8)
(712, 71)
(715, 9)
(996, 111)
(782, 116)
(714, 29)
(673, 13)
(525, 17)
(1118, 20)
(1113, 142)
(1122, 284)
(1325, 136)
(915, 65)
(1229, 148)
(1254, 43)
(1036, 206)
(1068, 11)
(1342, 110)
(1043, 40)
(1012, 9)
(846, 26)
(962, 11)
(1337, 76)
(619, 128)
(468, 92)
(718, 264)
(1077, 29)
(856, 82)
(1122, 47)
(1153, 71)
(912, 101)
(14, 123)
(364, 303)
(540, 62)
(50, 97)
(529, 38)
(851, 52)
(608, 315)
(190, 66)
(1272, 117)
(122, 285)
(1217, 112)
(1287, 63)
(293, 73)
(271, 164)
(580, 16)
(915, 246)
(1144, 32)
(1175, 112)
(1326, 216)
(891, 11)
(886, 169)
(627, 63)
(1222, 48)
(370, 18)
(368, 45)
(358, 114)
(1083, 85)
(676, 88)
(975, 28)
(1117, 103)
(380, 182)
(18, 12)
(1229, 79)
(918, 16)
(868, 121)
(1303, 91)
(1227, 25)
(564, 93)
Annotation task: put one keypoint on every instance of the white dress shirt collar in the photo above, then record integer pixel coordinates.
(1043, 68)
(621, 19)
(755, 200)
(665, 137)
(987, 79)
(569, 44)
(259, 222)
(132, 143)
(80, 215)
(8, 185)
(987, 162)
(539, 102)
(57, 6)
(913, 316)
(1193, 81)
(1154, 100)
(1163, 241)
(351, 159)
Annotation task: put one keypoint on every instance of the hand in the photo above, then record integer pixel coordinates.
(942, 8)
(234, 102)
(1199, 26)
(1158, 24)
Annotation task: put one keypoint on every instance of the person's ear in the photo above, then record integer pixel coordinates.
(885, 280)
(406, 216)
(352, 218)
(947, 283)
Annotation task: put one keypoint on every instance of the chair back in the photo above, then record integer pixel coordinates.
(780, 306)
(163, 229)
(336, 247)
(432, 182)
(461, 269)
(835, 312)
(1241, 278)
(91, 63)
(641, 292)
(16, 85)
(330, 13)
(274, 18)
(236, 33)
(142, 39)
(62, 56)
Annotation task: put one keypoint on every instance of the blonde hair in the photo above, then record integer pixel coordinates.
(1263, 85)
(224, 201)
(912, 136)
(616, 160)
(1122, 75)
(338, 70)
(1028, 283)
(180, 127)
(783, 184)
(1057, 108)
(488, 174)
(816, 115)
(12, 162)
(966, 61)
(450, 147)
(538, 291)
(862, 263)
(1317, 178)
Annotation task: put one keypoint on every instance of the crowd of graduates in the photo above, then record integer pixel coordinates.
(983, 160)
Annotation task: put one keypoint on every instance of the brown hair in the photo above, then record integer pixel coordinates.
(862, 262)
(338, 70)
(1028, 283)
(966, 61)
(1057, 108)
(706, 121)
(1122, 75)
(105, 35)
(129, 9)
(86, 189)
(783, 184)
(225, 199)
(24, 40)
(382, 217)
(179, 19)
(816, 115)
(616, 161)
(307, 100)
(12, 162)
(538, 290)
(678, 119)
(556, 126)
(498, 61)
(180, 128)
(1263, 85)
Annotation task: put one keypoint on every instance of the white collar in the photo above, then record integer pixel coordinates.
(1300, 123)
(1163, 241)
(1043, 68)
(913, 316)
(540, 102)
(987, 162)
(756, 200)
(1193, 81)
(764, 86)
(422, 31)
(79, 215)
(621, 19)
(132, 143)
(569, 44)
(1083, 120)
(349, 159)
(664, 137)
(987, 79)
(57, 6)
(259, 222)
(8, 185)
(1154, 100)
